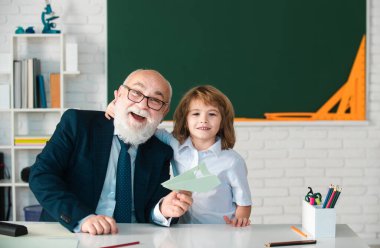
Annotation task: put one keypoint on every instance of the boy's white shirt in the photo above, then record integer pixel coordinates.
(227, 165)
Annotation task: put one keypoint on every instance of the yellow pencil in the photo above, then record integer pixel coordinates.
(299, 231)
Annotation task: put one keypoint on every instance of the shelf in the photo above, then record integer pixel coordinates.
(30, 122)
(39, 147)
(71, 72)
(36, 35)
(5, 183)
(37, 110)
(21, 184)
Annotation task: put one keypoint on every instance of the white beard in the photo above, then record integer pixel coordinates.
(131, 131)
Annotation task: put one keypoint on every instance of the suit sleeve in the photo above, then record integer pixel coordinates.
(167, 138)
(48, 175)
(160, 191)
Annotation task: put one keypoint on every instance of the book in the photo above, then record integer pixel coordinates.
(30, 140)
(24, 83)
(32, 137)
(33, 69)
(41, 92)
(30, 82)
(17, 84)
(55, 91)
(36, 72)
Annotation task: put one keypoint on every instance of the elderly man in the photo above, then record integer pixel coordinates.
(94, 173)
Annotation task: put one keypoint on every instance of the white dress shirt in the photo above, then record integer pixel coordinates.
(227, 165)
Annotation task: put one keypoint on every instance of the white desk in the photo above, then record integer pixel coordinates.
(184, 236)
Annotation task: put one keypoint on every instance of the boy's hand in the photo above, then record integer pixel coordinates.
(241, 219)
(110, 111)
(237, 222)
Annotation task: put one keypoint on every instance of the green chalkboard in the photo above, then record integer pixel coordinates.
(265, 55)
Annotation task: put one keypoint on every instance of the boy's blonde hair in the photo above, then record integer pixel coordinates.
(211, 96)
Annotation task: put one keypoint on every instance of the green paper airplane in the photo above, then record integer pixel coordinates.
(198, 179)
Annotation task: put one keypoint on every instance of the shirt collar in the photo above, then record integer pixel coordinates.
(186, 144)
(118, 144)
(216, 148)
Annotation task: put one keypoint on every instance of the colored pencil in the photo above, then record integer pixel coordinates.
(328, 195)
(286, 243)
(298, 231)
(336, 198)
(331, 198)
(121, 245)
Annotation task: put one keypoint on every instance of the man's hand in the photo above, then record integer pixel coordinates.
(176, 204)
(99, 224)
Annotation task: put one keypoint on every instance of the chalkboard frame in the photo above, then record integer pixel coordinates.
(247, 99)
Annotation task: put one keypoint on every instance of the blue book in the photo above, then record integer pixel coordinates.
(41, 91)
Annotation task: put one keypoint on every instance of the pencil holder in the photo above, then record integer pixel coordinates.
(319, 222)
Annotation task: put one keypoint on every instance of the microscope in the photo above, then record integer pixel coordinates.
(47, 17)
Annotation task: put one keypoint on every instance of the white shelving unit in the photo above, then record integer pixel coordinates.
(49, 48)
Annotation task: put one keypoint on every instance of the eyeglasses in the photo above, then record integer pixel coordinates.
(137, 96)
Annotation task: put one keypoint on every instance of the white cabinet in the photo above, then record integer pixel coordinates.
(30, 122)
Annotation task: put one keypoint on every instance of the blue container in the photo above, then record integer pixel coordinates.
(32, 213)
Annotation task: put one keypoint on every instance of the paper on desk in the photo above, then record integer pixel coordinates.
(37, 242)
(50, 229)
(198, 179)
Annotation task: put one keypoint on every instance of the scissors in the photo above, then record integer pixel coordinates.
(313, 198)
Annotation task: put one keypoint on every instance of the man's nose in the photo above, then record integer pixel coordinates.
(143, 103)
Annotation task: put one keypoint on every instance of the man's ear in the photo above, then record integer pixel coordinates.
(166, 110)
(117, 93)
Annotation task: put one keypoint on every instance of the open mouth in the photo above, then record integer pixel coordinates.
(203, 128)
(137, 117)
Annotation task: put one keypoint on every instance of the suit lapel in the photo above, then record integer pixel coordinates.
(102, 142)
(143, 169)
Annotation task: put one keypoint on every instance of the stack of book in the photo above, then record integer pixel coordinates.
(31, 140)
(29, 86)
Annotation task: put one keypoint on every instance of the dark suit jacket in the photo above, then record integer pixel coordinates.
(68, 175)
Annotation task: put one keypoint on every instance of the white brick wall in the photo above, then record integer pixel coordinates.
(283, 160)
